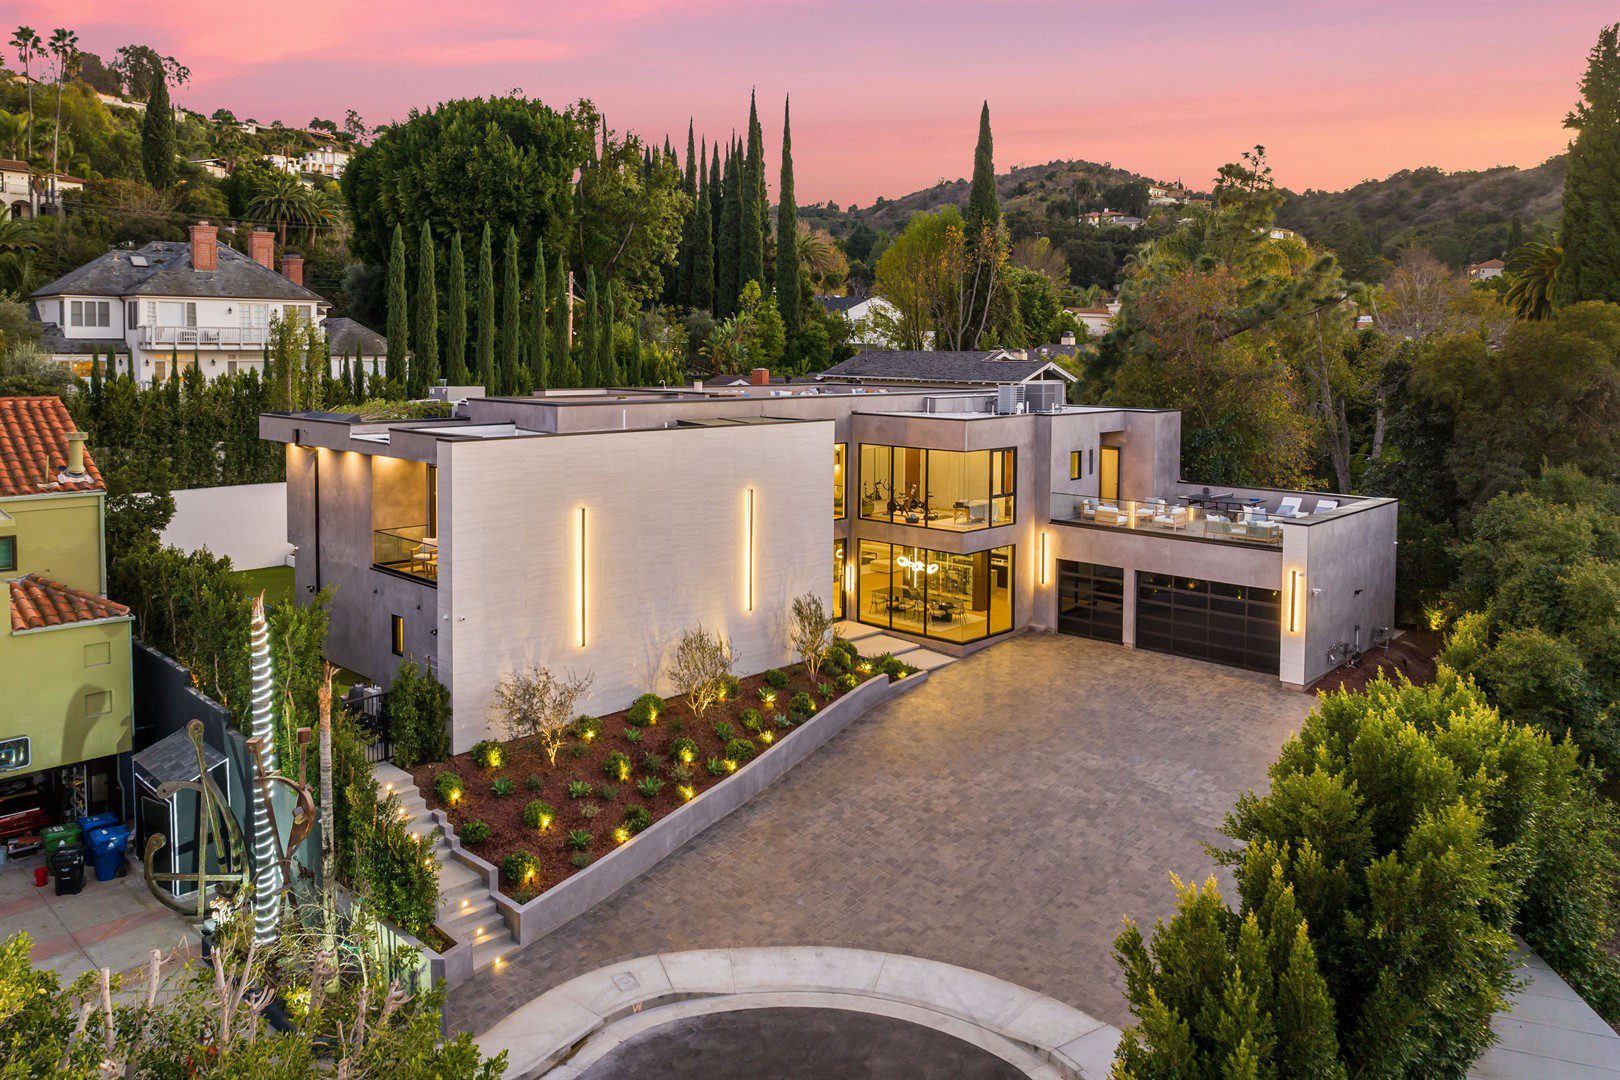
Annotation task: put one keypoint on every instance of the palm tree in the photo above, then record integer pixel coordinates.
(281, 200)
(1532, 271)
(13, 130)
(26, 42)
(65, 50)
(18, 242)
(819, 257)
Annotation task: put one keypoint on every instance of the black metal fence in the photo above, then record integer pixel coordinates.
(369, 706)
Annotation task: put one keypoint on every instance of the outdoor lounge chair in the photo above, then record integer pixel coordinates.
(1108, 514)
(1324, 505)
(1174, 517)
(1289, 508)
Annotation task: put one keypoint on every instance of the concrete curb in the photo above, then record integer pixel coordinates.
(576, 1022)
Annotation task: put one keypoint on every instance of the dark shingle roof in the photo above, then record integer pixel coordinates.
(345, 337)
(168, 272)
(971, 368)
(836, 304)
(56, 343)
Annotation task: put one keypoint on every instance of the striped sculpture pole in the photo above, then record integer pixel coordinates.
(266, 867)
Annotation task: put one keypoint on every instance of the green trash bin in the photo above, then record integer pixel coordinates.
(56, 836)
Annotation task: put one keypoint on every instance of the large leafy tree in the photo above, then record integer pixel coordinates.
(505, 162)
(1590, 231)
(629, 218)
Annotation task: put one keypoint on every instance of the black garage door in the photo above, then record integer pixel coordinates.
(1091, 600)
(1209, 620)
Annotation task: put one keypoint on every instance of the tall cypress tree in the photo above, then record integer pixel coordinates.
(683, 271)
(1590, 231)
(728, 251)
(717, 200)
(398, 317)
(511, 316)
(587, 347)
(562, 313)
(702, 294)
(538, 368)
(787, 243)
(606, 362)
(95, 378)
(455, 335)
(636, 368)
(486, 312)
(756, 205)
(424, 371)
(983, 209)
(159, 156)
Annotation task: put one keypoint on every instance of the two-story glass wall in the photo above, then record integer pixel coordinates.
(955, 490)
(935, 594)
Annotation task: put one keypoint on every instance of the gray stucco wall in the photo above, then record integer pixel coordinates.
(1348, 565)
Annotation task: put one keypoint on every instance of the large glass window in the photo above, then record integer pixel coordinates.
(935, 594)
(838, 480)
(840, 559)
(958, 491)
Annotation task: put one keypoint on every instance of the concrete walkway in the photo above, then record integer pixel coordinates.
(1549, 1032)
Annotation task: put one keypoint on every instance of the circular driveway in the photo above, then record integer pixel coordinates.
(1005, 817)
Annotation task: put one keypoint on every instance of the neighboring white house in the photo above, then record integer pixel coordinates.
(859, 310)
(27, 193)
(1101, 218)
(1096, 320)
(213, 166)
(168, 304)
(1486, 270)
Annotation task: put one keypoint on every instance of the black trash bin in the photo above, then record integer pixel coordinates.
(67, 866)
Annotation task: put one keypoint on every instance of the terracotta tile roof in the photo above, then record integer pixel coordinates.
(33, 448)
(38, 602)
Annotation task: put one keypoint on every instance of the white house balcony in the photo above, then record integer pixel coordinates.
(161, 337)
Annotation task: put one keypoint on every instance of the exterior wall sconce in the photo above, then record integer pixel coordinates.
(1043, 556)
(582, 577)
(1296, 601)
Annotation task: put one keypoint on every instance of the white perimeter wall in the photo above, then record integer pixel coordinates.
(665, 546)
(247, 522)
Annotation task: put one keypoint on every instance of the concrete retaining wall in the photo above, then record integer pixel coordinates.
(605, 877)
(247, 522)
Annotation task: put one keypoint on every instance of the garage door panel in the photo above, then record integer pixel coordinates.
(1091, 600)
(1209, 620)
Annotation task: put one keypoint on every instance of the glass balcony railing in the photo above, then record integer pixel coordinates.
(407, 550)
(1171, 517)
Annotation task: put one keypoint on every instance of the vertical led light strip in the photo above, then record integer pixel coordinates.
(1293, 601)
(750, 583)
(582, 577)
(1043, 556)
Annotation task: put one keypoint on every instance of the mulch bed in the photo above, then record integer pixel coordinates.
(1412, 655)
(533, 777)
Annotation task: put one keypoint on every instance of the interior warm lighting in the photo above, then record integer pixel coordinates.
(582, 577)
(1295, 599)
(917, 564)
(749, 584)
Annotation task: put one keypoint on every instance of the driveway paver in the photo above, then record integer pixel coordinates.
(1005, 817)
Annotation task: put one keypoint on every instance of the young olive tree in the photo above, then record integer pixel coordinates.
(812, 631)
(701, 661)
(536, 703)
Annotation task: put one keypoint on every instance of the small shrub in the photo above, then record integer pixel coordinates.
(580, 859)
(502, 787)
(577, 750)
(475, 832)
(684, 751)
(776, 679)
(715, 767)
(637, 818)
(538, 815)
(590, 810)
(650, 786)
(616, 767)
(652, 762)
(846, 683)
(836, 663)
(767, 696)
(634, 735)
(521, 869)
(740, 750)
(533, 783)
(894, 669)
(826, 691)
(587, 728)
(645, 710)
(447, 786)
(724, 731)
(781, 721)
(680, 773)
(801, 707)
(847, 647)
(579, 839)
(607, 792)
(578, 789)
(488, 755)
(728, 687)
(677, 725)
(418, 709)
(750, 720)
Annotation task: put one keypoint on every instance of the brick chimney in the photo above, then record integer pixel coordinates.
(262, 248)
(292, 267)
(759, 377)
(204, 252)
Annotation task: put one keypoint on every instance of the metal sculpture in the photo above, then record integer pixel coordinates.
(218, 831)
(267, 879)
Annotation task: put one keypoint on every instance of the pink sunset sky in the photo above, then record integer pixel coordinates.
(886, 95)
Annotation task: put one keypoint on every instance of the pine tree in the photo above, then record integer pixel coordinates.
(1590, 230)
(587, 347)
(702, 294)
(486, 312)
(159, 156)
(455, 334)
(755, 205)
(424, 371)
(983, 209)
(729, 250)
(398, 317)
(562, 313)
(538, 373)
(787, 244)
(511, 316)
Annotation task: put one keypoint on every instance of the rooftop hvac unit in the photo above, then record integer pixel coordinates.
(1009, 399)
(1045, 397)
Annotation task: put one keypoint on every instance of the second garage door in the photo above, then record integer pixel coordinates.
(1209, 620)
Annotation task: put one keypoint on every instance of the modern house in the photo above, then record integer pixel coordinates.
(898, 367)
(170, 305)
(585, 530)
(65, 675)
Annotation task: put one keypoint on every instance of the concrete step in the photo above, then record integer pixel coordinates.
(476, 922)
(493, 949)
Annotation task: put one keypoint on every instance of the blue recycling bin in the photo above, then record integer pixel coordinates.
(95, 821)
(108, 845)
